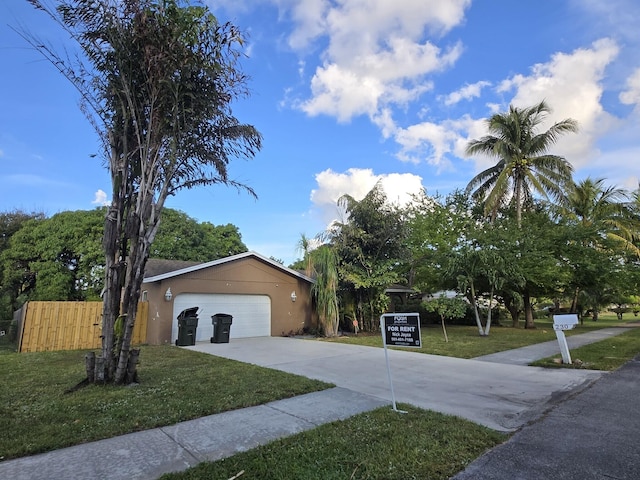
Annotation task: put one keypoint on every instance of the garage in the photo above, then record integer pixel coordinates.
(264, 297)
(251, 313)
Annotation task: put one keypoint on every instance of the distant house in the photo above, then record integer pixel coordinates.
(264, 297)
(399, 295)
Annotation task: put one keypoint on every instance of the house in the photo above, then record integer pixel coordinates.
(264, 297)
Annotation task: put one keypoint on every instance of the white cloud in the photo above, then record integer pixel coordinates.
(398, 187)
(426, 141)
(571, 83)
(101, 199)
(435, 143)
(310, 19)
(631, 95)
(371, 81)
(376, 53)
(468, 92)
(341, 93)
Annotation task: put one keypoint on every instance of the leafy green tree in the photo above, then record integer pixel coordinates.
(479, 264)
(535, 256)
(371, 245)
(12, 285)
(57, 258)
(435, 226)
(524, 167)
(181, 237)
(603, 227)
(61, 257)
(446, 308)
(157, 80)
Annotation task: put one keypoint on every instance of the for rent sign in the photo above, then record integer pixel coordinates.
(401, 329)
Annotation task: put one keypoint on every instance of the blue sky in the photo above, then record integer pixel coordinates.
(347, 93)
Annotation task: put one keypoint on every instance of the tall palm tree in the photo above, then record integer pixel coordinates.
(523, 167)
(605, 210)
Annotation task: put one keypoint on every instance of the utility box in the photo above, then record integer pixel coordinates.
(187, 327)
(221, 327)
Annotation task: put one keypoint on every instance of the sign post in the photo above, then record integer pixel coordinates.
(562, 322)
(399, 330)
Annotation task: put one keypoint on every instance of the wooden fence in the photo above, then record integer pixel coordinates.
(50, 326)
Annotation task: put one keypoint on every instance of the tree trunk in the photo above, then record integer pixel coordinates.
(528, 311)
(112, 292)
(488, 326)
(90, 366)
(513, 310)
(132, 366)
(574, 301)
(141, 229)
(475, 308)
(100, 372)
(444, 329)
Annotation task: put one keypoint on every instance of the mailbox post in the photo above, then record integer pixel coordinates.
(560, 324)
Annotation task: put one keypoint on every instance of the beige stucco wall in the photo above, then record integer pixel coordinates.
(248, 275)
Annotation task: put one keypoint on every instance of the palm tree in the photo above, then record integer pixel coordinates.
(604, 209)
(605, 217)
(324, 263)
(523, 167)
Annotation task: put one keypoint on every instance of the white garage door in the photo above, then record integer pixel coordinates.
(251, 314)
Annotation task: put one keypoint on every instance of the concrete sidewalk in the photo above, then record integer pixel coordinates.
(148, 454)
(531, 353)
(504, 397)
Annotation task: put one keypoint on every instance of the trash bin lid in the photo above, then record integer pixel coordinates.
(188, 312)
(223, 318)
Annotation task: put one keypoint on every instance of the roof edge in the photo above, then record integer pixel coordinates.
(222, 261)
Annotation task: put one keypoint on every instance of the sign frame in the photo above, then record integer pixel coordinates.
(399, 330)
(403, 336)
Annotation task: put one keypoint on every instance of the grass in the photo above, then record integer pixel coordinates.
(606, 355)
(464, 341)
(178, 385)
(378, 444)
(175, 385)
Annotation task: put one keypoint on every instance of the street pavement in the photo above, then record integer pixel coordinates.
(567, 422)
(592, 436)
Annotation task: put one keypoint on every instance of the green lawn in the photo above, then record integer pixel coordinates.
(606, 355)
(380, 444)
(175, 385)
(178, 384)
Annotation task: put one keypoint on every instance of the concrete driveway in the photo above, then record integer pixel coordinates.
(500, 396)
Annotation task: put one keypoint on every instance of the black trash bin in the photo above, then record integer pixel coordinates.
(221, 327)
(187, 327)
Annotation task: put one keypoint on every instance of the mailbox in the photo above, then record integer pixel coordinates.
(567, 321)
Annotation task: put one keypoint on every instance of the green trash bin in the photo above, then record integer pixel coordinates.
(187, 327)
(221, 327)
